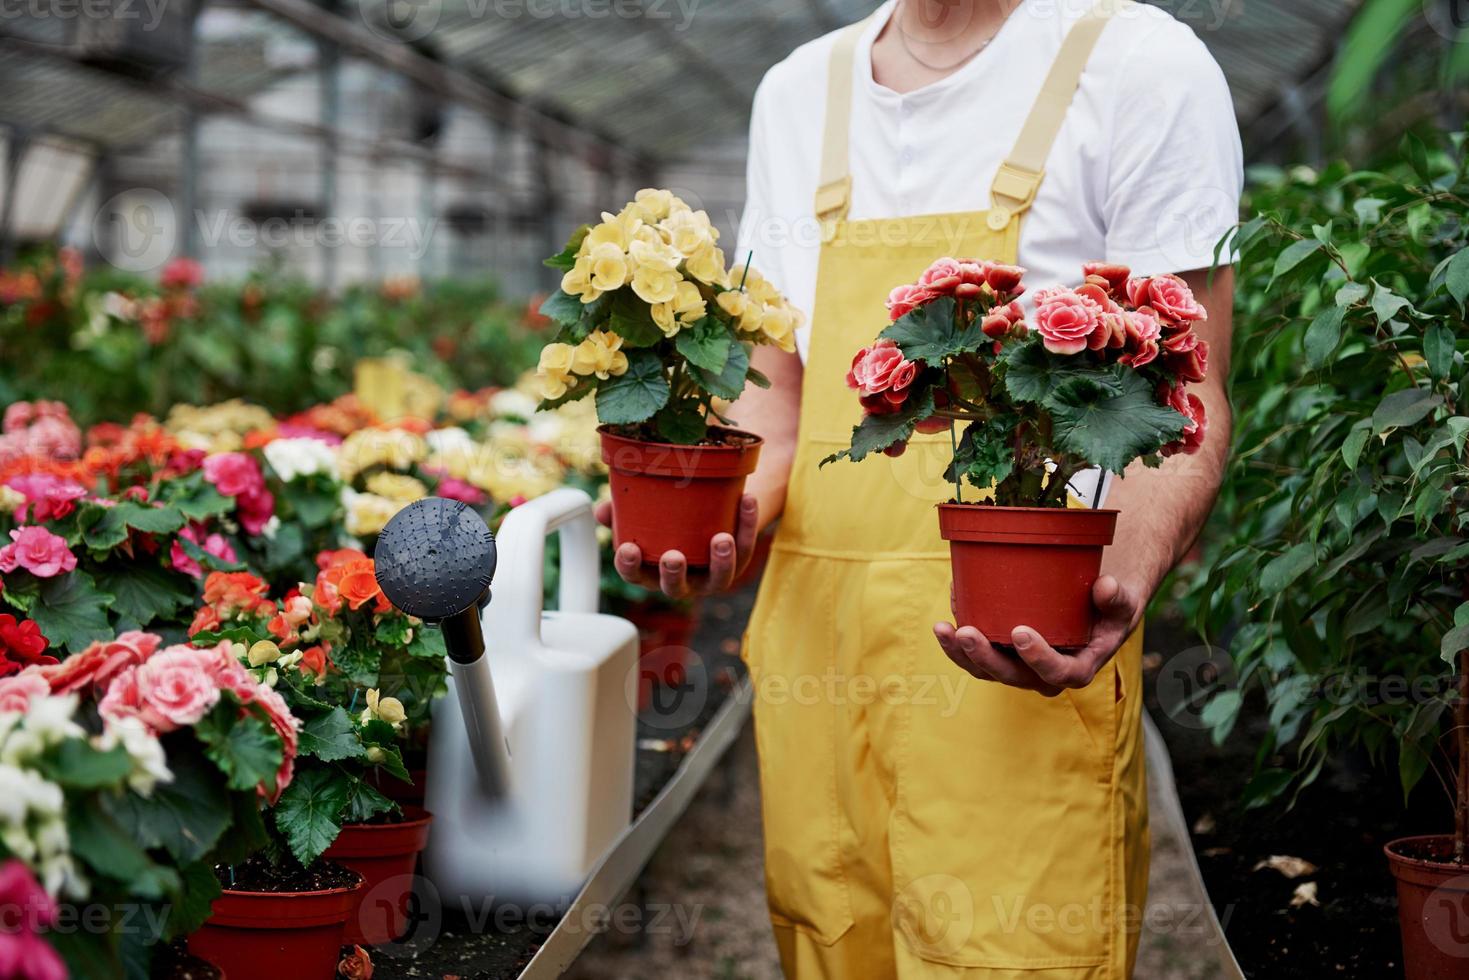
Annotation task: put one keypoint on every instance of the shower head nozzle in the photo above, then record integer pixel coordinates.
(435, 559)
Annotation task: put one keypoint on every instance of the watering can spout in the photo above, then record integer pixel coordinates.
(435, 560)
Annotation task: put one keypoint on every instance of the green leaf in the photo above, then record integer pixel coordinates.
(76, 764)
(197, 892)
(636, 395)
(1285, 568)
(71, 612)
(365, 803)
(563, 308)
(729, 383)
(681, 422)
(1403, 408)
(187, 816)
(1221, 713)
(1294, 255)
(427, 644)
(1456, 276)
(196, 497)
(1387, 304)
(246, 749)
(146, 593)
(930, 334)
(1352, 446)
(986, 452)
(1454, 642)
(1438, 349)
(1323, 335)
(360, 663)
(1111, 429)
(310, 811)
(1369, 41)
(106, 847)
(331, 737)
(110, 528)
(706, 344)
(566, 258)
(1033, 373)
(877, 432)
(632, 320)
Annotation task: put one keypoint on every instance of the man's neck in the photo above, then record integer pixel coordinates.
(927, 40)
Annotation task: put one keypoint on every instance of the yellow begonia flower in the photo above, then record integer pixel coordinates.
(688, 302)
(396, 486)
(654, 203)
(615, 229)
(554, 371)
(707, 265)
(688, 231)
(655, 285)
(734, 302)
(380, 708)
(778, 325)
(263, 652)
(609, 267)
(578, 281)
(368, 513)
(600, 354)
(663, 315)
(395, 449)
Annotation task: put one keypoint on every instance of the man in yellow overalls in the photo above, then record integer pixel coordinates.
(920, 820)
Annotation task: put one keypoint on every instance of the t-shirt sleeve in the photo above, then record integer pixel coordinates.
(759, 191)
(1176, 168)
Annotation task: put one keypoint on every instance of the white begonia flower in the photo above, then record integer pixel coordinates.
(453, 439)
(13, 803)
(150, 763)
(510, 401)
(294, 458)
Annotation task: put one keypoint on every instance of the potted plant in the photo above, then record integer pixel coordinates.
(146, 766)
(1101, 380)
(653, 324)
(1339, 553)
(327, 647)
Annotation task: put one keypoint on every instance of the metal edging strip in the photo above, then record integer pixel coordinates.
(1160, 768)
(628, 855)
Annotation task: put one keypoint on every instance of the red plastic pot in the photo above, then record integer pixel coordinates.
(664, 635)
(385, 855)
(1026, 566)
(667, 497)
(1433, 907)
(271, 935)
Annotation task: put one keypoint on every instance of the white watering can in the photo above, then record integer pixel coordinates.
(533, 749)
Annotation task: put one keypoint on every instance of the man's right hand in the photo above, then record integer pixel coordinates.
(728, 556)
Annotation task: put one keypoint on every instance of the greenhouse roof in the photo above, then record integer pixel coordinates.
(658, 83)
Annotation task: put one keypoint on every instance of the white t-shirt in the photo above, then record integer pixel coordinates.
(1146, 171)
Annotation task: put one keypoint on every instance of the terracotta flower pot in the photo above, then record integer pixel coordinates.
(385, 855)
(1026, 566)
(1433, 907)
(675, 498)
(664, 635)
(270, 935)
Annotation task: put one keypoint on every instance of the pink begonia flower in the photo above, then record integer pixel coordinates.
(238, 475)
(38, 551)
(181, 273)
(1065, 320)
(905, 299)
(47, 496)
(1169, 295)
(215, 544)
(462, 491)
(25, 909)
(1143, 331)
(882, 376)
(17, 692)
(1192, 407)
(1191, 364)
(1005, 278)
(99, 663)
(1116, 275)
(170, 690)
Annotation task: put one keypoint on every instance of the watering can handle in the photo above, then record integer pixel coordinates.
(514, 616)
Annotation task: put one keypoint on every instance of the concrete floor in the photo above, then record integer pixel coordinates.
(701, 901)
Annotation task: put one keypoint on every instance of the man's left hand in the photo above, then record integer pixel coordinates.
(1034, 664)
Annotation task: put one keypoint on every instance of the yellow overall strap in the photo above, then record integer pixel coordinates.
(1019, 177)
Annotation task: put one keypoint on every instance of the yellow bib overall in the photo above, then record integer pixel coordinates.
(919, 822)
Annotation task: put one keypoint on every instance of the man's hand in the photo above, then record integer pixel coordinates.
(1034, 665)
(728, 556)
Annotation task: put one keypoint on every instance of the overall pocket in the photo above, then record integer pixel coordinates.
(789, 650)
(1003, 840)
